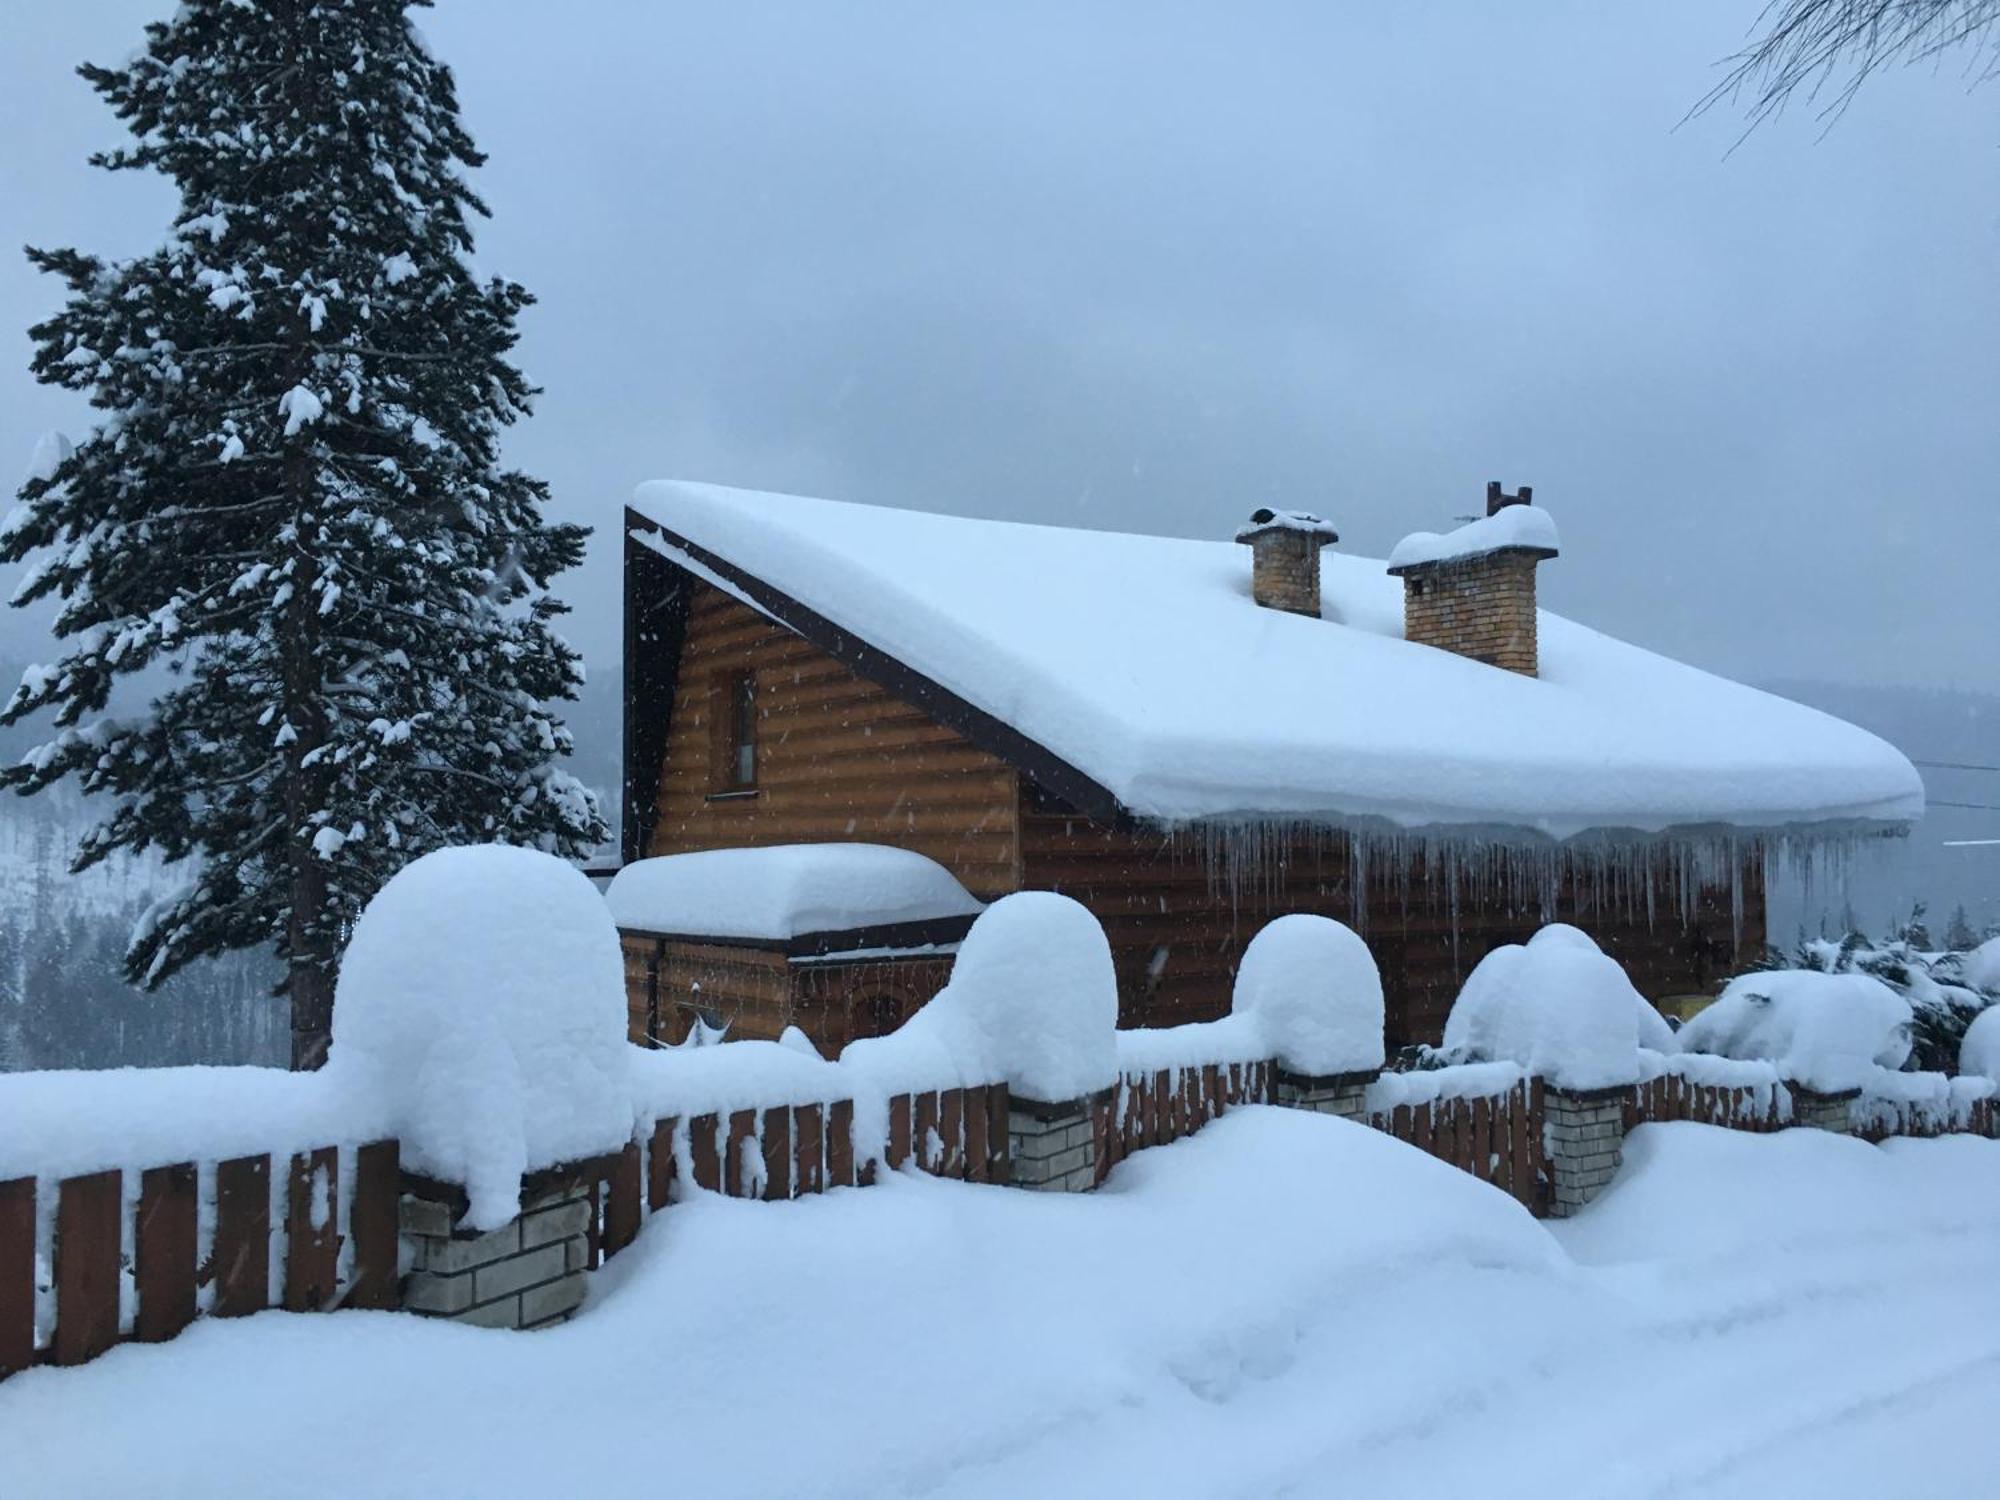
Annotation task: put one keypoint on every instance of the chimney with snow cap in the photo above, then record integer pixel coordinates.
(1284, 558)
(1472, 591)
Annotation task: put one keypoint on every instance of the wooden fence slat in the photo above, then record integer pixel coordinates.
(808, 1149)
(924, 1132)
(621, 1201)
(736, 1171)
(1482, 1138)
(593, 1225)
(88, 1211)
(17, 1275)
(163, 1242)
(660, 1165)
(951, 1126)
(777, 1154)
(999, 1144)
(238, 1256)
(1102, 1126)
(1422, 1131)
(1524, 1138)
(900, 1108)
(312, 1231)
(978, 1143)
(1211, 1088)
(372, 1225)
(1401, 1123)
(840, 1143)
(1503, 1141)
(705, 1152)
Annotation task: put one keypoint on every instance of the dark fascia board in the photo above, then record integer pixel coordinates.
(656, 597)
(929, 933)
(1036, 761)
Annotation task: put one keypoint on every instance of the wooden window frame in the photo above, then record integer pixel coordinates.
(733, 747)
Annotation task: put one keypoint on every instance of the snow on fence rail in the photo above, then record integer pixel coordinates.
(90, 1260)
(787, 1151)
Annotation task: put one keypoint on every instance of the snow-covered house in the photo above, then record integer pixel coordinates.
(1191, 737)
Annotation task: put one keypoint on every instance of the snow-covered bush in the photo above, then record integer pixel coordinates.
(483, 996)
(1944, 990)
(1979, 1053)
(1311, 987)
(1559, 1007)
(1033, 1002)
(1828, 1032)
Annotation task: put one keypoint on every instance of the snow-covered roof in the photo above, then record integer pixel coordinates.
(785, 891)
(1526, 528)
(1142, 663)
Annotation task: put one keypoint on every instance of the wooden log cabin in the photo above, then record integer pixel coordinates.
(1193, 737)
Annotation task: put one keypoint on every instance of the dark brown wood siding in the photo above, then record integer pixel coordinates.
(1177, 931)
(838, 759)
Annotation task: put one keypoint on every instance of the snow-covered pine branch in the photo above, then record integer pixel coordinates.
(295, 493)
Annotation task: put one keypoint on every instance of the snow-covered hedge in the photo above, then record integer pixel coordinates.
(1979, 1054)
(1826, 1032)
(1559, 1007)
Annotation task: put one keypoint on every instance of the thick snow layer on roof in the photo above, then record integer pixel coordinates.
(1143, 662)
(1514, 526)
(1826, 1032)
(785, 891)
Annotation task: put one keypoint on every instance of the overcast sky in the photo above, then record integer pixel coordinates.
(1148, 266)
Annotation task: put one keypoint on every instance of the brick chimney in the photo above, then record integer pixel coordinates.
(1472, 591)
(1284, 558)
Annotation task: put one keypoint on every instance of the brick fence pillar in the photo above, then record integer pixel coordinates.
(1584, 1136)
(1342, 1094)
(1052, 1147)
(526, 1274)
(1821, 1111)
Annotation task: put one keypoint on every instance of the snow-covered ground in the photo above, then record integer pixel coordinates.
(1282, 1304)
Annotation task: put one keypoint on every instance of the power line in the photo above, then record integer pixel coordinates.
(1953, 765)
(1973, 806)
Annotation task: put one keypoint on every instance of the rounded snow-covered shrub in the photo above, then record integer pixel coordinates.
(1655, 1035)
(1981, 967)
(1979, 1053)
(1312, 987)
(1825, 1032)
(483, 995)
(1033, 994)
(1557, 1006)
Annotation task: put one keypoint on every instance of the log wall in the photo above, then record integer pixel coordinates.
(838, 759)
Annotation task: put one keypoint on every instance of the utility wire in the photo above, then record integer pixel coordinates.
(1974, 806)
(1953, 765)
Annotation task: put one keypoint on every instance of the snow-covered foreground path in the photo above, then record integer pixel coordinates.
(1285, 1304)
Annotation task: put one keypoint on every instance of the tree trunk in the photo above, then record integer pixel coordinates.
(310, 932)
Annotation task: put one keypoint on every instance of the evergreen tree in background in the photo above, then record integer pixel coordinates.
(294, 503)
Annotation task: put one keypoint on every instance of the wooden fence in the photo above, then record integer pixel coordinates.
(1495, 1137)
(188, 1259)
(1980, 1118)
(1670, 1097)
(1151, 1109)
(791, 1150)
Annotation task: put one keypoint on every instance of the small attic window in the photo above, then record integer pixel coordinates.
(733, 765)
(743, 730)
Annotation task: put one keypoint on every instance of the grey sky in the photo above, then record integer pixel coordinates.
(1147, 266)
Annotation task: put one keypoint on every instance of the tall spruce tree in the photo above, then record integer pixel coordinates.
(294, 503)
